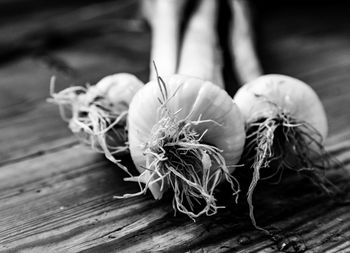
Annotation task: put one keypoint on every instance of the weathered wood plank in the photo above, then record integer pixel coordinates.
(57, 195)
(61, 208)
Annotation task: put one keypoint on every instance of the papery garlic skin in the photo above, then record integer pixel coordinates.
(258, 99)
(117, 89)
(193, 99)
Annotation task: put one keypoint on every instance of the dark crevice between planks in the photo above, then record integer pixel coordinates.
(56, 63)
(39, 153)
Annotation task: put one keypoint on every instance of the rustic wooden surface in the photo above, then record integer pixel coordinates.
(57, 196)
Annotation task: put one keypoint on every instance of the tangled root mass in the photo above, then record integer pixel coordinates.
(282, 142)
(178, 159)
(92, 119)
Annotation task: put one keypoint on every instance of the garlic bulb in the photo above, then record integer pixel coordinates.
(269, 95)
(286, 126)
(185, 134)
(97, 114)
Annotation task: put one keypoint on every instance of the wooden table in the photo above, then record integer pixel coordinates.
(57, 196)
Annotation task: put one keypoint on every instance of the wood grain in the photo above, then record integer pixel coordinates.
(57, 196)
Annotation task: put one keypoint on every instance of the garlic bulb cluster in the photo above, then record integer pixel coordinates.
(184, 132)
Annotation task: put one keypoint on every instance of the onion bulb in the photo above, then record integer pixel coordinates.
(187, 135)
(97, 114)
(286, 126)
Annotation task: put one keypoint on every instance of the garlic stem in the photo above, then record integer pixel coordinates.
(200, 53)
(245, 60)
(164, 17)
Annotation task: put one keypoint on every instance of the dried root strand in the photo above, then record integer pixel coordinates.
(92, 119)
(288, 144)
